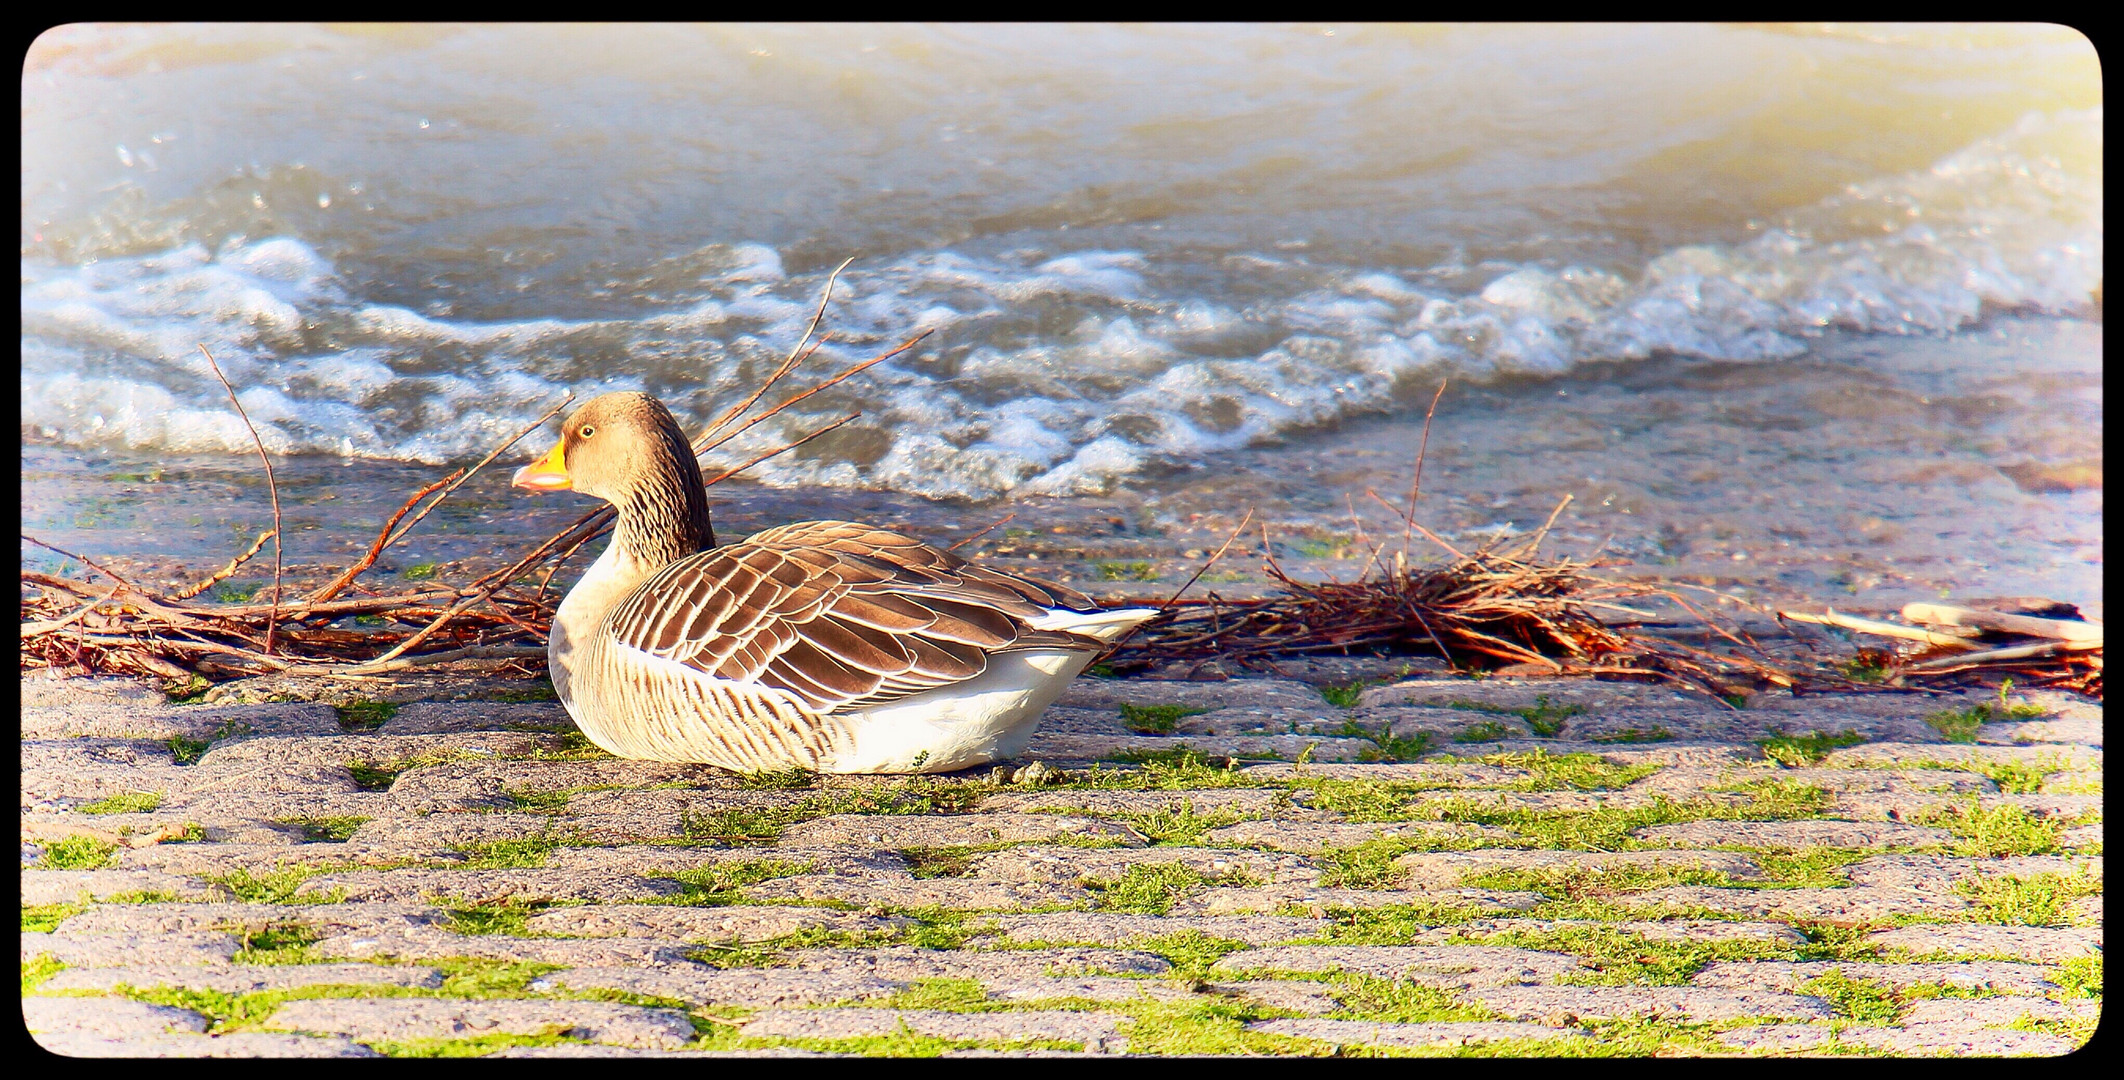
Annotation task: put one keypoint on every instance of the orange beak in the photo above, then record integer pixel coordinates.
(549, 473)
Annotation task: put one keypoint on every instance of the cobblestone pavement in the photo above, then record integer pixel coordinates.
(1422, 865)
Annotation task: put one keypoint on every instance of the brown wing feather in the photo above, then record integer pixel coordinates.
(837, 614)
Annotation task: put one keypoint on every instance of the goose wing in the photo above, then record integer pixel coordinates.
(837, 614)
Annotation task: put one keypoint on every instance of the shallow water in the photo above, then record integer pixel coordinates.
(1801, 310)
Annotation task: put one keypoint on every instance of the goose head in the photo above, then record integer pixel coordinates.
(627, 449)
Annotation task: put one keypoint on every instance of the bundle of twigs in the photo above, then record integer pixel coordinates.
(2036, 642)
(123, 627)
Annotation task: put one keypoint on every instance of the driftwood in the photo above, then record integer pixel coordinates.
(1976, 642)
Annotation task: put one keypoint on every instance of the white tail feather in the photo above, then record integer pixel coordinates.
(1105, 626)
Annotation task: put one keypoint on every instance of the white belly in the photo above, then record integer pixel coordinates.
(986, 718)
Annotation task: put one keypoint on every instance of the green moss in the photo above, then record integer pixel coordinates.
(790, 779)
(2080, 978)
(189, 690)
(186, 751)
(370, 776)
(1369, 865)
(948, 995)
(1387, 746)
(277, 943)
(1547, 720)
(529, 853)
(1347, 695)
(1146, 888)
(474, 1046)
(1487, 731)
(274, 887)
(36, 971)
(1178, 825)
(1799, 751)
(2032, 900)
(721, 883)
(1126, 571)
(1863, 1001)
(2005, 829)
(1204, 1029)
(1813, 868)
(326, 830)
(1182, 766)
(936, 862)
(543, 691)
(362, 715)
(132, 802)
(1655, 733)
(1959, 725)
(906, 1043)
(419, 572)
(1190, 952)
(1556, 772)
(1155, 719)
(481, 976)
(1388, 1001)
(235, 592)
(76, 853)
(508, 917)
(44, 918)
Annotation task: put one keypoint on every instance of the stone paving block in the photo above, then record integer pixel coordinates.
(619, 816)
(242, 756)
(998, 967)
(1449, 966)
(152, 919)
(1056, 746)
(1995, 975)
(2081, 836)
(957, 830)
(433, 831)
(1312, 837)
(962, 893)
(1861, 781)
(666, 860)
(1370, 1033)
(48, 688)
(2039, 943)
(436, 943)
(244, 978)
(161, 721)
(1940, 1040)
(238, 1044)
(1109, 695)
(603, 1050)
(444, 717)
(1092, 988)
(219, 859)
(404, 1019)
(1454, 775)
(2086, 730)
(733, 923)
(1778, 1038)
(1111, 803)
(1853, 905)
(1796, 834)
(1514, 693)
(118, 950)
(747, 988)
(85, 770)
(1940, 873)
(1873, 755)
(1677, 930)
(64, 886)
(489, 886)
(1105, 928)
(1066, 864)
(1317, 901)
(1094, 1030)
(1985, 1012)
(1439, 869)
(1299, 996)
(107, 1016)
(1669, 1002)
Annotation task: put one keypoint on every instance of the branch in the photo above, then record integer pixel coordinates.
(272, 488)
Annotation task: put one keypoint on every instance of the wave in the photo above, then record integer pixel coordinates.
(1050, 373)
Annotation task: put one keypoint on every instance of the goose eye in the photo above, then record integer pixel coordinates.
(588, 431)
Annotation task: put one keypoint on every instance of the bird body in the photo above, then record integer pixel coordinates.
(825, 645)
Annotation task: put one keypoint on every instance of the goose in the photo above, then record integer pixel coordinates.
(830, 646)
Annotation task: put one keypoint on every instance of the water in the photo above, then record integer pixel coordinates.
(1827, 299)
